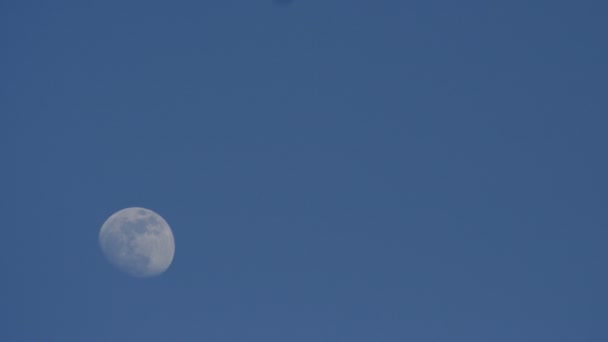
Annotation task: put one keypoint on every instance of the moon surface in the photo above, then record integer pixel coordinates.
(138, 242)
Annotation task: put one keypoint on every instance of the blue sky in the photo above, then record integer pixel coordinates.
(332, 170)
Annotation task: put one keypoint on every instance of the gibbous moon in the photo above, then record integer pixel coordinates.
(138, 242)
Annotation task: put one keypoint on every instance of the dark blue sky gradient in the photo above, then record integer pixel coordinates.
(332, 170)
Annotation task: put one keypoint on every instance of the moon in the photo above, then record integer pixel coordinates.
(138, 242)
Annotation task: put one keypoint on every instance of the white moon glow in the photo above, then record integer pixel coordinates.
(138, 242)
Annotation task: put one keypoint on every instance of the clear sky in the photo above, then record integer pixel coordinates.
(358, 171)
